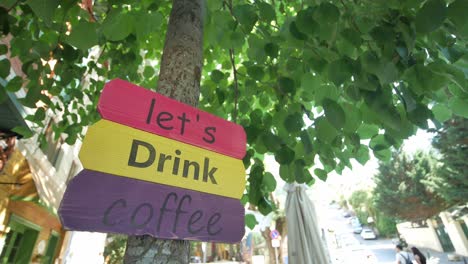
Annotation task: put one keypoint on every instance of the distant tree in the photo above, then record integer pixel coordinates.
(363, 204)
(451, 179)
(358, 199)
(115, 249)
(401, 191)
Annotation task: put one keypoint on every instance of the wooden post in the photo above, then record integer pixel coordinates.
(179, 78)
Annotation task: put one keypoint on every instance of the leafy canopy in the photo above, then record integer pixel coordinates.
(316, 79)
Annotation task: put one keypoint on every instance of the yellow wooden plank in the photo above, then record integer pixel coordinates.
(124, 151)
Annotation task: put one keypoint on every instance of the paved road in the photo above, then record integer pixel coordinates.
(346, 247)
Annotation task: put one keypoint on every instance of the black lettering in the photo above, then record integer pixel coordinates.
(133, 154)
(197, 215)
(212, 137)
(150, 113)
(105, 220)
(210, 174)
(180, 211)
(160, 119)
(135, 212)
(164, 208)
(175, 166)
(162, 160)
(184, 119)
(196, 169)
(212, 222)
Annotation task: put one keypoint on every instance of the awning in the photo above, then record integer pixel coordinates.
(10, 113)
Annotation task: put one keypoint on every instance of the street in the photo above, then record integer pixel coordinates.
(346, 247)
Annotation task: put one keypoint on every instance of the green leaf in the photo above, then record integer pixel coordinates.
(286, 85)
(117, 25)
(459, 106)
(272, 142)
(14, 84)
(23, 131)
(3, 49)
(237, 40)
(271, 49)
(387, 72)
(327, 13)
(301, 173)
(267, 13)
(264, 206)
(362, 155)
(367, 131)
(4, 68)
(217, 76)
(334, 113)
(83, 35)
(44, 9)
(255, 72)
(148, 23)
(441, 112)
(286, 173)
(457, 14)
(250, 221)
(246, 16)
(353, 118)
(383, 155)
(321, 174)
(325, 131)
(295, 31)
(306, 142)
(284, 155)
(378, 143)
(293, 123)
(430, 16)
(339, 71)
(305, 22)
(269, 182)
(40, 115)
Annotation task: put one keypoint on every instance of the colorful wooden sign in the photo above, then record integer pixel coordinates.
(124, 151)
(101, 202)
(131, 105)
(159, 167)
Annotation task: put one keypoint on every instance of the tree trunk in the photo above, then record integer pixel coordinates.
(271, 249)
(179, 78)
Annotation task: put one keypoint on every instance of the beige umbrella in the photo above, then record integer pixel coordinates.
(305, 245)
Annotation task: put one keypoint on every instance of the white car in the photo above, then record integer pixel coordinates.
(368, 234)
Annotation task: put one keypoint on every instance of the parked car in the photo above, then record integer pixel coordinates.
(354, 221)
(367, 233)
(195, 259)
(357, 228)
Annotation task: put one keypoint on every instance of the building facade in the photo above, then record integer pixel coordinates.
(34, 173)
(446, 232)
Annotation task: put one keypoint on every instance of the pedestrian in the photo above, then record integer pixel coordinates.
(401, 256)
(418, 256)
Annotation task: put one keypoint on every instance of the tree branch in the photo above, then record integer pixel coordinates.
(236, 86)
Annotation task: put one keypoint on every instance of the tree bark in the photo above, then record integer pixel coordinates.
(179, 78)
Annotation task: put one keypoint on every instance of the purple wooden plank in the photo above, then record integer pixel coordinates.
(101, 202)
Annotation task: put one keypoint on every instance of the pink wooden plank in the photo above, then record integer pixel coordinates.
(134, 106)
(100, 202)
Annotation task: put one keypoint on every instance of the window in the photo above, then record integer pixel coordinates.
(73, 171)
(49, 145)
(19, 242)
